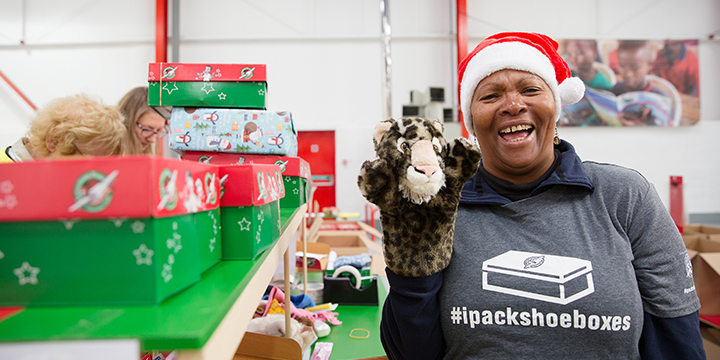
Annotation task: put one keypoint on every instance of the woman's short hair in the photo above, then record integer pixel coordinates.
(78, 120)
(133, 105)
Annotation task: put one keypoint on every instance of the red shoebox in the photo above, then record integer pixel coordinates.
(106, 187)
(295, 171)
(294, 166)
(206, 72)
(249, 185)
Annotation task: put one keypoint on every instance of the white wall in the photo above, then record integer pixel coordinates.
(324, 61)
(657, 153)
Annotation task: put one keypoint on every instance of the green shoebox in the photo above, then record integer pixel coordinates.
(97, 262)
(224, 94)
(105, 231)
(295, 172)
(209, 236)
(249, 230)
(249, 209)
(297, 192)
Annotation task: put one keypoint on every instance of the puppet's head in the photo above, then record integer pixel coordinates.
(414, 149)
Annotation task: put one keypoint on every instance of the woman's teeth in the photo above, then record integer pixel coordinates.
(515, 128)
(516, 133)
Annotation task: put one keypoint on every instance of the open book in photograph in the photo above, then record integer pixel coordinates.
(640, 108)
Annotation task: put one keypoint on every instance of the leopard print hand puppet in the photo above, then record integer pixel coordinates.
(415, 181)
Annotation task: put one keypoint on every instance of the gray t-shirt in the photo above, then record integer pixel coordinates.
(565, 274)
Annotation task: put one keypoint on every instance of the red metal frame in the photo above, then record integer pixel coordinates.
(370, 211)
(18, 91)
(462, 45)
(161, 12)
(676, 205)
(161, 15)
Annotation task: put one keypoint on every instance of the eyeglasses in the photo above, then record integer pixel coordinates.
(148, 132)
(78, 150)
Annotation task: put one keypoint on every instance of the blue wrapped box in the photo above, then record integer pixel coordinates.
(242, 131)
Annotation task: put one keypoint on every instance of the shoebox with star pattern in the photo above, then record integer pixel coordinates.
(249, 209)
(295, 172)
(242, 131)
(207, 85)
(105, 230)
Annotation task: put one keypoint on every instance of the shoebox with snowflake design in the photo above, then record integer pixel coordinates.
(242, 131)
(249, 209)
(295, 172)
(207, 85)
(105, 231)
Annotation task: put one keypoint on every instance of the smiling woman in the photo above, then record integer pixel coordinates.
(144, 125)
(546, 246)
(512, 114)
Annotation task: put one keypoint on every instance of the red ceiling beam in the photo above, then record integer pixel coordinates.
(161, 15)
(161, 39)
(462, 44)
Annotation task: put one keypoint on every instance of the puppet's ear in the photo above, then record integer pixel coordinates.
(381, 129)
(438, 125)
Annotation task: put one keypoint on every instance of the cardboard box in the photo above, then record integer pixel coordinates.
(711, 340)
(249, 209)
(221, 94)
(241, 131)
(354, 243)
(295, 171)
(711, 232)
(705, 258)
(106, 187)
(344, 243)
(550, 278)
(691, 229)
(104, 231)
(317, 257)
(206, 72)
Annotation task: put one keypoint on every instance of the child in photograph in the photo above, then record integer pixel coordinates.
(634, 64)
(678, 65)
(581, 55)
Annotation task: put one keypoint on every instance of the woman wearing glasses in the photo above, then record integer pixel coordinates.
(144, 125)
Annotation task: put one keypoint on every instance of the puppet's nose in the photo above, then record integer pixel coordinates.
(428, 170)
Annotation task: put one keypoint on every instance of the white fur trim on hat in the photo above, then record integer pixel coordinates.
(572, 90)
(515, 56)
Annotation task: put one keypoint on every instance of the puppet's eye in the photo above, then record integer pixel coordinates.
(436, 145)
(405, 147)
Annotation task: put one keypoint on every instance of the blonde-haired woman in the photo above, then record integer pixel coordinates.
(144, 125)
(71, 126)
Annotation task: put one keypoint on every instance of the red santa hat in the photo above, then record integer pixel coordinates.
(531, 52)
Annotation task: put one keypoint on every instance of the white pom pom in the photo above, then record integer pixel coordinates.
(571, 90)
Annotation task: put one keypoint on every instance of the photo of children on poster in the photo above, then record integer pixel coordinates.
(633, 82)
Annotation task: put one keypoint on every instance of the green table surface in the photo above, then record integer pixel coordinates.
(357, 317)
(184, 321)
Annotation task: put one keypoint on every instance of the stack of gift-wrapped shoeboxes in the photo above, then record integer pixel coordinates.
(218, 116)
(105, 231)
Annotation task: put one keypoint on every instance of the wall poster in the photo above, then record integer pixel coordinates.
(633, 82)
